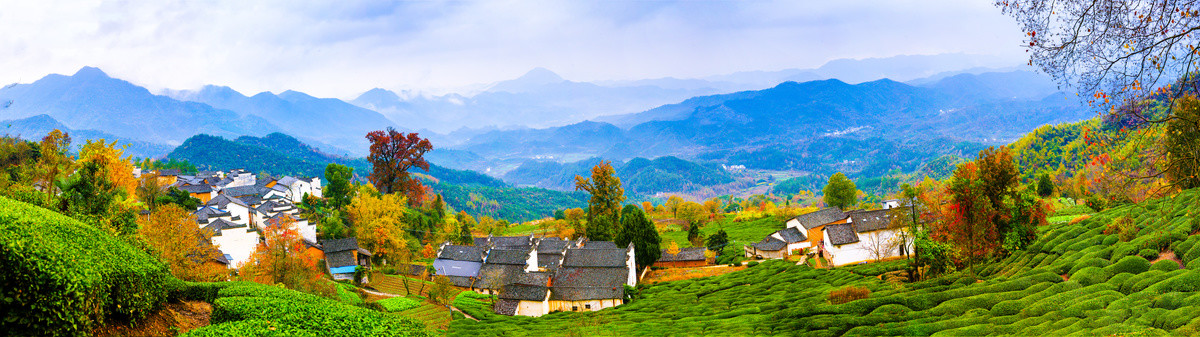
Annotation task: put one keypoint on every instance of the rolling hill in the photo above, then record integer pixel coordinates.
(638, 176)
(34, 128)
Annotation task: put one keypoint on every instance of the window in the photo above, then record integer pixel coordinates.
(574, 308)
(588, 306)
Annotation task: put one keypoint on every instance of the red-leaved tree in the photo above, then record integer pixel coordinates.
(392, 154)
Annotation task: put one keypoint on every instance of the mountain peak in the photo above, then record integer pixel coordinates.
(540, 75)
(378, 95)
(90, 72)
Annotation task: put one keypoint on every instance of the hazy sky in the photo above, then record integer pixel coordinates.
(341, 48)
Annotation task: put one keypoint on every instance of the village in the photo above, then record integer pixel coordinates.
(528, 275)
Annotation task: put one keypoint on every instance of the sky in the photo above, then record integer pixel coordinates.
(342, 48)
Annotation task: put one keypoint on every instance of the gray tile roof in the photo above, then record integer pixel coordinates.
(550, 261)
(462, 253)
(584, 283)
(169, 172)
(867, 221)
(769, 243)
(841, 234)
(685, 254)
(221, 201)
(241, 191)
(512, 241)
(494, 276)
(506, 256)
(820, 217)
(340, 259)
(462, 281)
(287, 181)
(792, 235)
(599, 245)
(340, 245)
(552, 245)
(196, 188)
(457, 268)
(531, 278)
(480, 241)
(506, 307)
(216, 226)
(522, 292)
(595, 258)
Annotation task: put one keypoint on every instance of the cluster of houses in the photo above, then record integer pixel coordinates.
(535, 276)
(841, 238)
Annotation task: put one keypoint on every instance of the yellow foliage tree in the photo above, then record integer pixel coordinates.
(107, 155)
(378, 222)
(673, 248)
(182, 245)
(54, 162)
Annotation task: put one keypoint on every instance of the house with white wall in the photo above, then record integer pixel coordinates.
(867, 236)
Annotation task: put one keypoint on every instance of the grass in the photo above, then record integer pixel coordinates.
(740, 233)
(1110, 291)
(433, 315)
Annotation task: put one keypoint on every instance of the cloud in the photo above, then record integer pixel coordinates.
(345, 47)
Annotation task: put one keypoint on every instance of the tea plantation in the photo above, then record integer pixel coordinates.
(1076, 279)
(62, 277)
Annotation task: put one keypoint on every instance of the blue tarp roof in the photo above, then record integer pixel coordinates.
(342, 270)
(456, 268)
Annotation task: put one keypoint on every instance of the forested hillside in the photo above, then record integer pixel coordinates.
(638, 175)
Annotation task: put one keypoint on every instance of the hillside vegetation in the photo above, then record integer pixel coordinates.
(64, 277)
(638, 175)
(1091, 277)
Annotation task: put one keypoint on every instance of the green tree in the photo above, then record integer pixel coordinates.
(718, 241)
(636, 228)
(1045, 187)
(694, 235)
(339, 190)
(1182, 144)
(464, 235)
(179, 197)
(840, 191)
(604, 208)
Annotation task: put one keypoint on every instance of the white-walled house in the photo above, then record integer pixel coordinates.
(237, 241)
(299, 187)
(779, 244)
(867, 236)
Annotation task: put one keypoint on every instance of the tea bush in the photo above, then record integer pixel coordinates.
(250, 309)
(63, 277)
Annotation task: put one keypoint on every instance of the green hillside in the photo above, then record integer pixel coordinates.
(1075, 279)
(638, 175)
(280, 154)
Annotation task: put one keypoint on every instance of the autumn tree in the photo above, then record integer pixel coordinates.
(692, 212)
(1182, 144)
(672, 205)
(577, 219)
(282, 258)
(647, 207)
(149, 191)
(673, 248)
(338, 189)
(636, 228)
(178, 242)
(378, 223)
(392, 154)
(428, 251)
(118, 167)
(605, 205)
(840, 191)
(54, 163)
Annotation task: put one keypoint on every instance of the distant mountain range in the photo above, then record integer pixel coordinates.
(823, 126)
(36, 127)
(90, 100)
(639, 175)
(326, 120)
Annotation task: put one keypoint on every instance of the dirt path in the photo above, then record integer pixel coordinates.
(387, 295)
(1168, 255)
(172, 319)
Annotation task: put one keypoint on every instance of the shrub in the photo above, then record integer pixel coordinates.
(62, 277)
(1148, 253)
(1089, 276)
(751, 263)
(1165, 265)
(1129, 264)
(254, 309)
(847, 294)
(397, 304)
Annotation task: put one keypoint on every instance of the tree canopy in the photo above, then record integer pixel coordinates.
(639, 230)
(603, 216)
(840, 191)
(392, 154)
